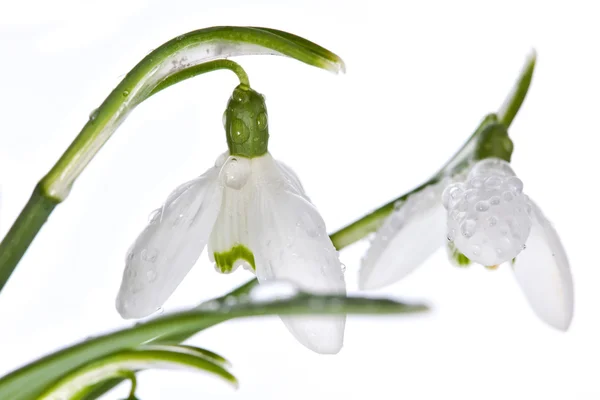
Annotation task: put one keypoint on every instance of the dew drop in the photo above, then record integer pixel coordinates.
(508, 196)
(492, 221)
(495, 200)
(239, 132)
(125, 93)
(455, 215)
(149, 255)
(468, 228)
(515, 184)
(451, 235)
(343, 267)
(262, 121)
(451, 194)
(94, 114)
(153, 216)
(476, 250)
(493, 181)
(476, 182)
(151, 275)
(471, 194)
(398, 204)
(482, 206)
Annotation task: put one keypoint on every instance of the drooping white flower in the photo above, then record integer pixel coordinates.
(252, 211)
(489, 219)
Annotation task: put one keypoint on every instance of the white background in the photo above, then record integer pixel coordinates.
(420, 77)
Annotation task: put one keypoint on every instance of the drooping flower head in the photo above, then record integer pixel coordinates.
(484, 217)
(252, 211)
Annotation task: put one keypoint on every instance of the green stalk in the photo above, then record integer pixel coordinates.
(489, 140)
(181, 58)
(202, 69)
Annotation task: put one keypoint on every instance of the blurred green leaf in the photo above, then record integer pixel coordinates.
(27, 383)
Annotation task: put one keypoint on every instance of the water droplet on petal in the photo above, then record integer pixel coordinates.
(493, 181)
(154, 216)
(236, 172)
(343, 267)
(451, 235)
(94, 114)
(476, 182)
(495, 200)
(482, 206)
(476, 250)
(508, 196)
(468, 228)
(125, 93)
(151, 275)
(149, 255)
(515, 184)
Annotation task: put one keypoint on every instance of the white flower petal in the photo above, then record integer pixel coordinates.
(543, 272)
(170, 245)
(290, 243)
(228, 247)
(414, 231)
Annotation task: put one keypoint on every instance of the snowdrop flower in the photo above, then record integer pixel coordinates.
(486, 218)
(251, 211)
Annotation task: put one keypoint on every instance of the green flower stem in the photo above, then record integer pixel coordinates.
(490, 139)
(174, 61)
(28, 223)
(202, 69)
(133, 379)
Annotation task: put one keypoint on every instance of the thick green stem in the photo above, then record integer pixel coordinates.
(20, 235)
(181, 58)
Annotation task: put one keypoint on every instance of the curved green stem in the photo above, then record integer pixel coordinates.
(127, 374)
(202, 69)
(489, 140)
(180, 58)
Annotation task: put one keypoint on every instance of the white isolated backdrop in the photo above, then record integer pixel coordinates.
(421, 75)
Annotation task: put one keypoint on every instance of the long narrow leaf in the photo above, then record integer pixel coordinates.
(28, 382)
(77, 382)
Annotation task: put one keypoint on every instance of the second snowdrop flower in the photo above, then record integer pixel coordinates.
(486, 217)
(252, 211)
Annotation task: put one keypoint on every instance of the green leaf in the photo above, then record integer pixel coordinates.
(516, 97)
(78, 382)
(28, 382)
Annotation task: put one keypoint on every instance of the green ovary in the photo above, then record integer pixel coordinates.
(226, 259)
